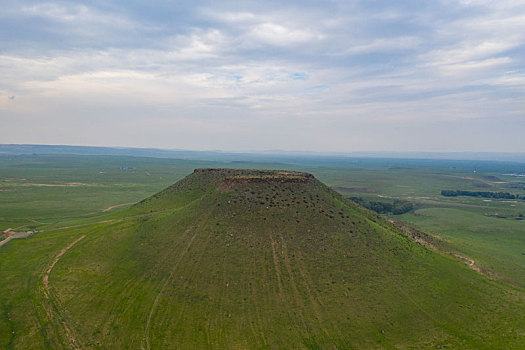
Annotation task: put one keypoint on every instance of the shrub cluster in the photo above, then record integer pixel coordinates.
(397, 207)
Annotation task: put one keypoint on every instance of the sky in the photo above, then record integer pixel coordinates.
(334, 75)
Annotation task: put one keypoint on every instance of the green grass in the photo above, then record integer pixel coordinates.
(105, 285)
(39, 190)
(496, 244)
(213, 264)
(48, 190)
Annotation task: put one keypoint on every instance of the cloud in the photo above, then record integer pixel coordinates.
(279, 35)
(398, 44)
(304, 65)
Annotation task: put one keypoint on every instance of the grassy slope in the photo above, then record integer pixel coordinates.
(287, 266)
(496, 244)
(82, 190)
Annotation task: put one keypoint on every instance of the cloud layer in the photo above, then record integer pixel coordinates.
(308, 75)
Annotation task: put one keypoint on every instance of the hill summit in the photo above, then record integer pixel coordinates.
(244, 259)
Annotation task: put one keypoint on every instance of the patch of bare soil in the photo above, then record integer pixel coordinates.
(115, 206)
(470, 262)
(65, 184)
(414, 234)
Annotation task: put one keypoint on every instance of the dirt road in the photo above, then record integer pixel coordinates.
(15, 236)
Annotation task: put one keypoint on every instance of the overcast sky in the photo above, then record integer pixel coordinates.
(410, 75)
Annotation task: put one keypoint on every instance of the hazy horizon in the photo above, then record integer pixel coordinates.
(273, 154)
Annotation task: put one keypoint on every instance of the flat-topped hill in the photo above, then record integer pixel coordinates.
(258, 176)
(251, 259)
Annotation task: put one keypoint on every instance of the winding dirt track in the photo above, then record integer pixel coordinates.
(62, 252)
(53, 314)
(115, 206)
(81, 225)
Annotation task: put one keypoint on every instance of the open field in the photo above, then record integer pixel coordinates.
(39, 191)
(168, 242)
(211, 263)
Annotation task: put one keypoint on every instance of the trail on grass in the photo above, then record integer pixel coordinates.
(422, 239)
(81, 225)
(53, 313)
(15, 236)
(62, 252)
(470, 262)
(106, 221)
(115, 206)
(155, 303)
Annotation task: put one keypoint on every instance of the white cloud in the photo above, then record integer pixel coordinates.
(197, 45)
(279, 35)
(59, 12)
(77, 15)
(308, 67)
(384, 45)
(466, 53)
(231, 17)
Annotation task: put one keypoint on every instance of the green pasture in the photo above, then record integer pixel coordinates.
(204, 265)
(378, 291)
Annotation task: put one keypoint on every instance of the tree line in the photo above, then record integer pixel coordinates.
(397, 207)
(496, 195)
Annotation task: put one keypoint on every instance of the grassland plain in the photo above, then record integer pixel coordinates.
(38, 191)
(222, 260)
(43, 191)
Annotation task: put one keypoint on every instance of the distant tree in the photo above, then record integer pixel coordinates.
(496, 195)
(397, 207)
(401, 207)
(449, 193)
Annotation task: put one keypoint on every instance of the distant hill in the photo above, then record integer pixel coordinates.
(248, 259)
(475, 160)
(93, 150)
